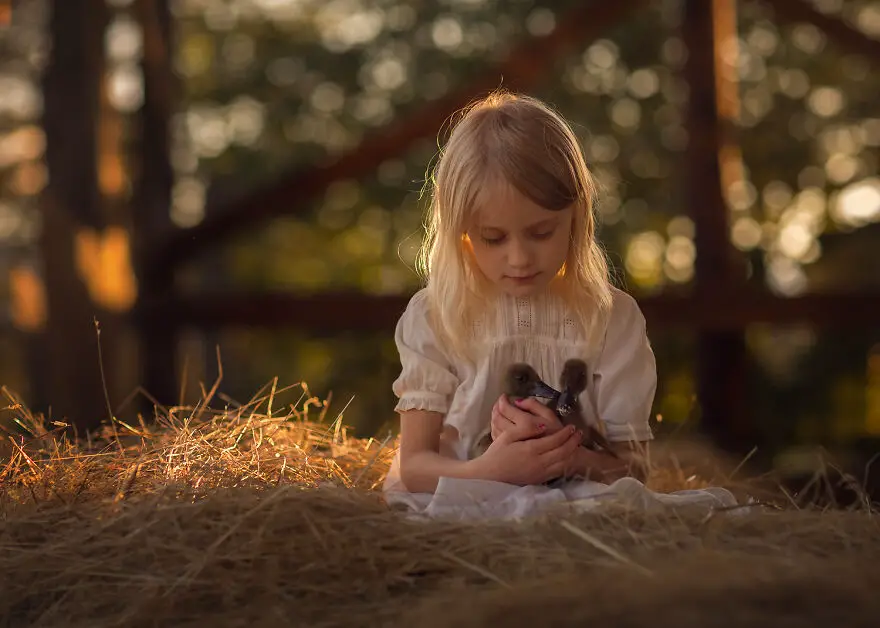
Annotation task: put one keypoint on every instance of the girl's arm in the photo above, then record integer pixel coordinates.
(422, 457)
(522, 455)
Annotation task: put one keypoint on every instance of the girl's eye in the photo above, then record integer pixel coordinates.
(492, 241)
(543, 236)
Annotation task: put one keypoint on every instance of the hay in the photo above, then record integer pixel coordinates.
(254, 517)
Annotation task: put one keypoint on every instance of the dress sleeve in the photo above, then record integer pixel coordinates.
(625, 377)
(427, 380)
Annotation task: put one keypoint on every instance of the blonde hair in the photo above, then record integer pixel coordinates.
(521, 141)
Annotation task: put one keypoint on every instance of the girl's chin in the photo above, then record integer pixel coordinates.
(522, 288)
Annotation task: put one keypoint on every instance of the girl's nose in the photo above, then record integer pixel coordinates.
(519, 255)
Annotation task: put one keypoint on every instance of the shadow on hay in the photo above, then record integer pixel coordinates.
(714, 590)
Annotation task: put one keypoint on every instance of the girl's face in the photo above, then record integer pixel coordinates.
(519, 246)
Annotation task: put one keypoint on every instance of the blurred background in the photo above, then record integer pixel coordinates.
(247, 174)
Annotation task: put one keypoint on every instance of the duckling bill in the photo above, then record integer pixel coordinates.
(522, 381)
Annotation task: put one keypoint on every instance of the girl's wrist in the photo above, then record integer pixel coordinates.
(475, 469)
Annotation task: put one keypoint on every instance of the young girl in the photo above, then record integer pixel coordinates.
(514, 274)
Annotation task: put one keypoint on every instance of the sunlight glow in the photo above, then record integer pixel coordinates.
(785, 276)
(826, 101)
(541, 21)
(124, 39)
(126, 88)
(626, 113)
(19, 98)
(245, 120)
(869, 20)
(643, 257)
(328, 97)
(447, 33)
(841, 167)
(681, 226)
(859, 203)
(794, 83)
(27, 306)
(745, 233)
(644, 83)
(188, 202)
(10, 220)
(24, 144)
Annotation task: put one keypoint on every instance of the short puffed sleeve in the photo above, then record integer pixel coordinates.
(625, 377)
(427, 379)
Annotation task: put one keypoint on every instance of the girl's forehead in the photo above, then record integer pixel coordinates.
(503, 206)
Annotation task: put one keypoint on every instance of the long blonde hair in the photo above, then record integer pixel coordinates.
(521, 141)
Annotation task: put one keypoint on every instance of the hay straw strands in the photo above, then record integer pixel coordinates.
(259, 515)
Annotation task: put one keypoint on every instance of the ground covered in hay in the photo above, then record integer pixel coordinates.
(254, 517)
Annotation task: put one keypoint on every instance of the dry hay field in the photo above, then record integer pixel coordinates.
(254, 515)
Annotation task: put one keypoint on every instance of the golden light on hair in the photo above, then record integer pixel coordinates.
(515, 140)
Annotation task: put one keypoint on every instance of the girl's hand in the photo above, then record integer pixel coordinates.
(528, 413)
(519, 457)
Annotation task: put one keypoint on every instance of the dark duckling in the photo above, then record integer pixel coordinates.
(573, 382)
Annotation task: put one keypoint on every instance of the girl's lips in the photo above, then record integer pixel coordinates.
(523, 278)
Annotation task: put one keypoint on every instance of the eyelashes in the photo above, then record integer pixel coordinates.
(545, 235)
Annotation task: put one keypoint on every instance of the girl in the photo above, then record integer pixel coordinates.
(514, 274)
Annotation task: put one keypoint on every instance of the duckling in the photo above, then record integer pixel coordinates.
(520, 382)
(572, 382)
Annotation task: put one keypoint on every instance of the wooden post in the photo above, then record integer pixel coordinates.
(721, 355)
(71, 202)
(152, 201)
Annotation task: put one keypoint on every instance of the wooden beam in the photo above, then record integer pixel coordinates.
(843, 35)
(707, 134)
(332, 313)
(525, 67)
(721, 353)
(152, 194)
(70, 203)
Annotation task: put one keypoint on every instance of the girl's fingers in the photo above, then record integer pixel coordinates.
(517, 432)
(542, 414)
(512, 414)
(554, 441)
(498, 424)
(499, 420)
(533, 406)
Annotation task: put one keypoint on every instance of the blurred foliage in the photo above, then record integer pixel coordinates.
(270, 85)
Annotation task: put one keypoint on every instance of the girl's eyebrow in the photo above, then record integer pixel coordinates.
(542, 224)
(547, 222)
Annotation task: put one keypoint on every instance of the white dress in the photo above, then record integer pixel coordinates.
(622, 380)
